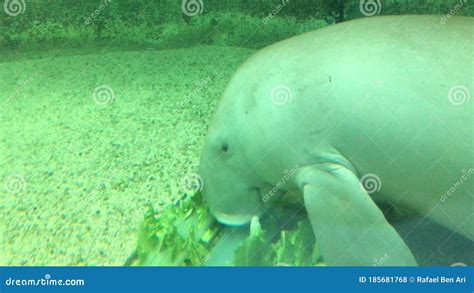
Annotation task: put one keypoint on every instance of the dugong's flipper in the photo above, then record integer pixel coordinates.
(349, 227)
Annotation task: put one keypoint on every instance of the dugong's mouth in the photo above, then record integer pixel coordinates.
(241, 218)
(232, 219)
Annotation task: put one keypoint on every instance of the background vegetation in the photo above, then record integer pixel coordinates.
(162, 23)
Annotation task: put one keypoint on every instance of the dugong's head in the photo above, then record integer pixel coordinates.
(231, 186)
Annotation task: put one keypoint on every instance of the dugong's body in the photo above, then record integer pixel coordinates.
(383, 99)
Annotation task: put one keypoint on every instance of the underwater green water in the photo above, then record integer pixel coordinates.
(102, 124)
(79, 173)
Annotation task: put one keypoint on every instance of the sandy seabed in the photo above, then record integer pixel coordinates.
(88, 141)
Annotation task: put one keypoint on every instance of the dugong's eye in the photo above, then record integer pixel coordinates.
(225, 147)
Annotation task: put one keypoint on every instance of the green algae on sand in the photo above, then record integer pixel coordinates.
(186, 234)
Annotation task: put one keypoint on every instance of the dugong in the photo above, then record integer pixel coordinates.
(371, 110)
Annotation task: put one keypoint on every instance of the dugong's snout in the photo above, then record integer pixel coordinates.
(232, 202)
(230, 195)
